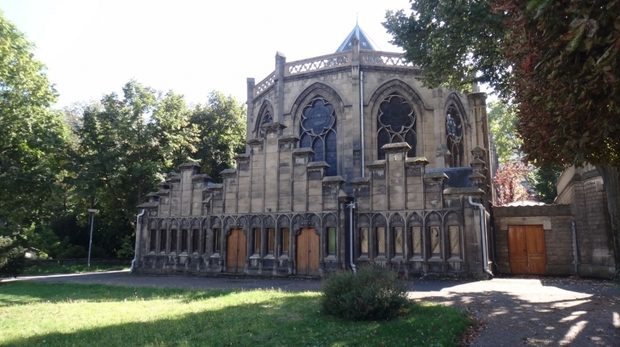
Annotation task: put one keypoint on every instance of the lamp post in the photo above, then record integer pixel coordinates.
(91, 212)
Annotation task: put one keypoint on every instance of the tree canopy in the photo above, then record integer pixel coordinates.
(33, 138)
(556, 59)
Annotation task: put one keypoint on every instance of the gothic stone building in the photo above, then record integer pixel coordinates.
(350, 160)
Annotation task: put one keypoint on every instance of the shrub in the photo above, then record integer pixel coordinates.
(373, 293)
(12, 260)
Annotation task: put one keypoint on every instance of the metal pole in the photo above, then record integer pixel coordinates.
(351, 206)
(92, 212)
(90, 239)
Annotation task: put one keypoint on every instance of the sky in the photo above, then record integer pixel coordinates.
(192, 47)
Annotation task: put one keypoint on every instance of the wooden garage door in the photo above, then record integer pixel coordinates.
(235, 251)
(307, 258)
(526, 244)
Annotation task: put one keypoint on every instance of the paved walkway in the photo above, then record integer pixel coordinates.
(509, 311)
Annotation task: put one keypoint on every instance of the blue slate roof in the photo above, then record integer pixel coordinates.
(458, 177)
(359, 34)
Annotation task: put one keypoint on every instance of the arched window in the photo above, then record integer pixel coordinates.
(317, 130)
(396, 123)
(265, 117)
(454, 137)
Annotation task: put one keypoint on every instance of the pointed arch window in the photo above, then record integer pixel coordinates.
(396, 122)
(317, 130)
(454, 137)
(265, 117)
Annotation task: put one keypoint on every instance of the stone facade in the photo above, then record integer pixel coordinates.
(349, 160)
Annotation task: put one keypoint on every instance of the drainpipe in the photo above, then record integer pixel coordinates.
(575, 247)
(483, 236)
(134, 261)
(351, 206)
(362, 118)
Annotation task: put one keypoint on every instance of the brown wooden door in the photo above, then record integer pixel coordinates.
(235, 251)
(307, 258)
(526, 244)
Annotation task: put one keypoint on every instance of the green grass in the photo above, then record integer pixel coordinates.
(33, 314)
(49, 268)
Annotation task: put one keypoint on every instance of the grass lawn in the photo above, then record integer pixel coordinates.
(34, 314)
(49, 268)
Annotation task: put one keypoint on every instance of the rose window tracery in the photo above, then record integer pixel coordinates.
(454, 137)
(396, 122)
(318, 131)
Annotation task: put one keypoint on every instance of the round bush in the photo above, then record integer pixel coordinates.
(373, 293)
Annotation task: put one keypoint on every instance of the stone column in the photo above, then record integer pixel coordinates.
(279, 82)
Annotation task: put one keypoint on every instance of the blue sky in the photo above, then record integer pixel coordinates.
(92, 47)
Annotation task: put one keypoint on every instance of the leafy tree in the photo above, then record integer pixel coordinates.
(511, 181)
(116, 161)
(222, 133)
(456, 43)
(33, 139)
(558, 59)
(502, 124)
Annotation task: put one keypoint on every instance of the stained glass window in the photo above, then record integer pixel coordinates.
(318, 131)
(173, 240)
(216, 240)
(184, 240)
(271, 240)
(153, 240)
(284, 235)
(195, 240)
(163, 240)
(380, 232)
(331, 241)
(396, 123)
(398, 241)
(363, 241)
(454, 137)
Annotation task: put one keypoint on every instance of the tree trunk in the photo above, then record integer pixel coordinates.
(611, 180)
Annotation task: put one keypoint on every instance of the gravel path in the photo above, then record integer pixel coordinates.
(509, 311)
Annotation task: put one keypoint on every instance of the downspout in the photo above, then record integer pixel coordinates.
(362, 118)
(575, 247)
(483, 236)
(138, 231)
(351, 206)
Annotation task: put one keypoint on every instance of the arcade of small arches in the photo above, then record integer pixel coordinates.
(409, 241)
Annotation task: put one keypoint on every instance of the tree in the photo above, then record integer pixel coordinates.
(558, 60)
(33, 139)
(510, 182)
(503, 128)
(222, 133)
(456, 43)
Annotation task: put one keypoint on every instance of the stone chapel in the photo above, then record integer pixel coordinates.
(349, 160)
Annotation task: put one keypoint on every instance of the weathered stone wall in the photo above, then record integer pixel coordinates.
(556, 222)
(583, 189)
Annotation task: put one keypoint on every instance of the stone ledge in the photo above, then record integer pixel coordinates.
(417, 161)
(396, 147)
(317, 165)
(303, 151)
(333, 179)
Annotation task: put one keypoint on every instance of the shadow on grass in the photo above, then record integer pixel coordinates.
(23, 293)
(292, 320)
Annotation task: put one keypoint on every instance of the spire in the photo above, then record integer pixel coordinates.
(359, 34)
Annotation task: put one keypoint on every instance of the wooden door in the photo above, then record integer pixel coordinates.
(235, 251)
(526, 245)
(307, 258)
